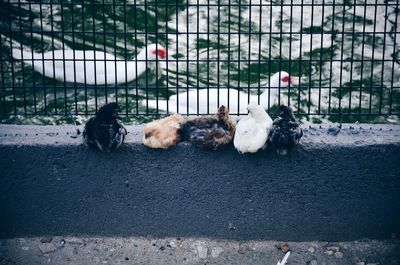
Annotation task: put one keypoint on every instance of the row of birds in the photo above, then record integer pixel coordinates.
(252, 133)
(106, 131)
(99, 68)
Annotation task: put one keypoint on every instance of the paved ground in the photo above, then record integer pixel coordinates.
(148, 251)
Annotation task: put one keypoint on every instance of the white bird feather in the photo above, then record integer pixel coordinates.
(252, 131)
(88, 67)
(204, 101)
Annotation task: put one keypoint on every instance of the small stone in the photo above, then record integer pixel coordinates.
(311, 249)
(339, 255)
(74, 240)
(202, 251)
(25, 248)
(163, 242)
(360, 263)
(47, 248)
(335, 249)
(243, 249)
(372, 263)
(216, 251)
(46, 239)
(313, 262)
(232, 226)
(329, 252)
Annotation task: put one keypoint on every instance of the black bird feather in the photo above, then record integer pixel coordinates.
(286, 131)
(105, 131)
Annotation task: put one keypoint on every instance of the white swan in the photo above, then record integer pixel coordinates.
(90, 67)
(207, 100)
(252, 131)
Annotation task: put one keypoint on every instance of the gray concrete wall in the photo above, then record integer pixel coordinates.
(339, 187)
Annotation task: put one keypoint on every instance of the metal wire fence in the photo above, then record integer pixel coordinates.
(343, 54)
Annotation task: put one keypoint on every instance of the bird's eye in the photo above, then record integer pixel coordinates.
(285, 79)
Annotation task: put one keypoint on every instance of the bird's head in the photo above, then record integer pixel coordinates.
(285, 112)
(156, 51)
(256, 111)
(223, 113)
(108, 111)
(283, 79)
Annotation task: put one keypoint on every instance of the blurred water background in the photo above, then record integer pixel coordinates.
(347, 55)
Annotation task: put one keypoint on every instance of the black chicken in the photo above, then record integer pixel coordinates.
(286, 131)
(105, 131)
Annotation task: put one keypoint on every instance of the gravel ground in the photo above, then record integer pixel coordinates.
(133, 250)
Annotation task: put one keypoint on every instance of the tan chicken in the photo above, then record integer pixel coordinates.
(210, 132)
(163, 133)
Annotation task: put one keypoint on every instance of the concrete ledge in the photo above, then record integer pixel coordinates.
(341, 187)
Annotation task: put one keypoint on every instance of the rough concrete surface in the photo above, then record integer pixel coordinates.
(173, 251)
(334, 187)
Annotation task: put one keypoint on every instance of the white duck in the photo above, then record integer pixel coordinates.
(90, 67)
(207, 100)
(252, 131)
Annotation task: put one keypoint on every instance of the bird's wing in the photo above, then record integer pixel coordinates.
(250, 135)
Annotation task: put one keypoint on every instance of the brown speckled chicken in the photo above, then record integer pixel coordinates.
(163, 133)
(210, 132)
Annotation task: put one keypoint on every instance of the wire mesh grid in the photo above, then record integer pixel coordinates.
(343, 53)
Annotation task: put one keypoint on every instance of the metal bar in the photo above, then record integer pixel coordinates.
(94, 55)
(187, 59)
(341, 59)
(320, 58)
(395, 26)
(351, 59)
(311, 53)
(115, 53)
(22, 54)
(299, 90)
(43, 60)
(372, 56)
(229, 53)
(84, 59)
(197, 58)
(105, 52)
(64, 73)
(3, 86)
(147, 55)
(74, 57)
(362, 59)
(136, 63)
(383, 57)
(126, 64)
(269, 58)
(259, 56)
(249, 63)
(33, 70)
(167, 59)
(290, 48)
